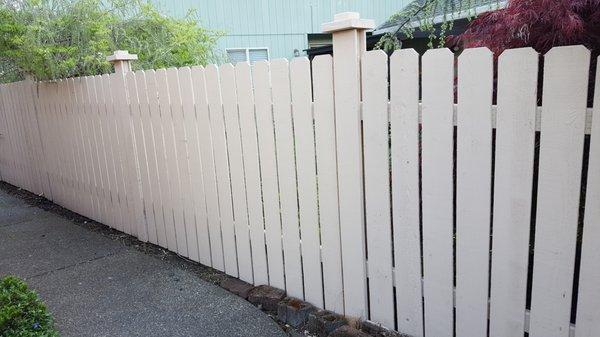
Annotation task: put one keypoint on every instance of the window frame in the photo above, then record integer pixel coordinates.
(247, 51)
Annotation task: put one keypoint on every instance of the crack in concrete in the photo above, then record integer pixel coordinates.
(48, 272)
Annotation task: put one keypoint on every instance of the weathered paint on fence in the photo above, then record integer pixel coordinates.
(258, 171)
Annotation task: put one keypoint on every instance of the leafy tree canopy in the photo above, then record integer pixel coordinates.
(434, 17)
(51, 39)
(541, 24)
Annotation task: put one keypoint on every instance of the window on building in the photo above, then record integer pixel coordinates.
(252, 55)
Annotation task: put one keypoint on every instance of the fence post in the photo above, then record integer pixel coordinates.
(135, 220)
(121, 60)
(349, 45)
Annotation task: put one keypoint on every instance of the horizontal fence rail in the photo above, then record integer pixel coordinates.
(406, 197)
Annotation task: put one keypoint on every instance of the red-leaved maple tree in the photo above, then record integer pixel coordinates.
(541, 24)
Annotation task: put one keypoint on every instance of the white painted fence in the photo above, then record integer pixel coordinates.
(262, 172)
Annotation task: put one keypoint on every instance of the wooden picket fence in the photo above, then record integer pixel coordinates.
(409, 210)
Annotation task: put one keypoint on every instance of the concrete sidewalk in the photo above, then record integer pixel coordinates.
(98, 286)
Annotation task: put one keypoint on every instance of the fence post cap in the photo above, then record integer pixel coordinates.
(345, 21)
(121, 55)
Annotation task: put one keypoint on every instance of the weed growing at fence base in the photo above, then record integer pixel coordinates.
(22, 314)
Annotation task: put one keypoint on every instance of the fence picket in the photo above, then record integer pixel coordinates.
(119, 151)
(113, 154)
(147, 162)
(23, 148)
(88, 133)
(515, 141)
(286, 172)
(236, 162)
(155, 151)
(377, 186)
(473, 190)
(19, 132)
(136, 105)
(31, 129)
(268, 164)
(329, 221)
(252, 171)
(404, 120)
(94, 139)
(80, 88)
(164, 129)
(208, 167)
(195, 189)
(219, 138)
(5, 155)
(181, 139)
(171, 128)
(307, 179)
(566, 71)
(437, 191)
(69, 96)
(588, 302)
(8, 172)
(65, 122)
(96, 147)
(102, 125)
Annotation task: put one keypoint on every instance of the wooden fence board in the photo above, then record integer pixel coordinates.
(145, 149)
(268, 165)
(588, 302)
(473, 190)
(171, 129)
(99, 148)
(96, 145)
(252, 171)
(515, 141)
(158, 167)
(219, 138)
(326, 159)
(195, 189)
(236, 165)
(437, 191)
(208, 167)
(112, 152)
(304, 137)
(119, 151)
(404, 125)
(185, 191)
(91, 144)
(105, 151)
(167, 169)
(137, 104)
(79, 85)
(377, 186)
(286, 171)
(566, 71)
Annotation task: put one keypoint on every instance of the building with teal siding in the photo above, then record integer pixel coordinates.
(269, 29)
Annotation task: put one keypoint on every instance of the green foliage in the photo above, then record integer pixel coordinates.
(22, 314)
(51, 39)
(434, 17)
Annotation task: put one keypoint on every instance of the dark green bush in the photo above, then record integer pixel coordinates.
(22, 314)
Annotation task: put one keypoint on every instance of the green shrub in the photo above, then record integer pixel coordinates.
(51, 39)
(22, 314)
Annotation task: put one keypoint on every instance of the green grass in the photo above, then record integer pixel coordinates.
(22, 313)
